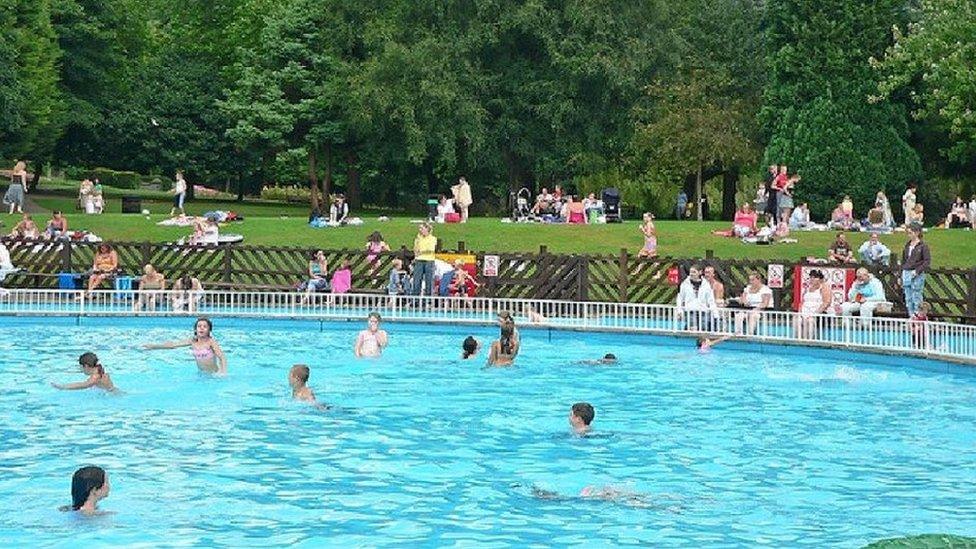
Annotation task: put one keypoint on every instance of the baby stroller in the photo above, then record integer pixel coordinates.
(521, 210)
(611, 205)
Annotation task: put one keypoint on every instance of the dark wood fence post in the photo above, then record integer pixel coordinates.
(583, 278)
(540, 267)
(228, 271)
(460, 247)
(146, 250)
(623, 275)
(66, 257)
(971, 295)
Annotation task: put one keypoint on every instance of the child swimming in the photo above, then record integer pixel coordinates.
(298, 379)
(505, 348)
(205, 349)
(581, 415)
(89, 485)
(97, 377)
(469, 348)
(371, 341)
(705, 345)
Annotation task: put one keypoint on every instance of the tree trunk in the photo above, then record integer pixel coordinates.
(240, 186)
(730, 185)
(35, 181)
(327, 184)
(353, 194)
(313, 179)
(698, 192)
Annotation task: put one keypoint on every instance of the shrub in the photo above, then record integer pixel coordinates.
(120, 180)
(287, 193)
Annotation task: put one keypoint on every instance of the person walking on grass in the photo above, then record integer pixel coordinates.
(179, 194)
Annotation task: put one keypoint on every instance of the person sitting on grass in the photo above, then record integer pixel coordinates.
(575, 211)
(840, 219)
(543, 202)
(57, 226)
(800, 218)
(339, 211)
(864, 296)
(840, 251)
(917, 216)
(104, 266)
(97, 377)
(151, 285)
(26, 228)
(873, 252)
(581, 416)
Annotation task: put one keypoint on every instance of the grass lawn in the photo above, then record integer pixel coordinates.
(279, 224)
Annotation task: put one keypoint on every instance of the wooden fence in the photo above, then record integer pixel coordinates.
(615, 278)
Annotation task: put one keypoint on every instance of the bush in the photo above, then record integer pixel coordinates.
(287, 193)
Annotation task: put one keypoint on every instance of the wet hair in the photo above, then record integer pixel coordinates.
(90, 360)
(584, 411)
(505, 341)
(609, 356)
(207, 321)
(302, 372)
(469, 346)
(376, 237)
(83, 482)
(699, 342)
(375, 315)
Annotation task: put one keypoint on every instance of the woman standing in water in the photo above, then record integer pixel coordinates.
(207, 352)
(89, 485)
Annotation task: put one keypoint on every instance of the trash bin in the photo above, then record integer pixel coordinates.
(131, 205)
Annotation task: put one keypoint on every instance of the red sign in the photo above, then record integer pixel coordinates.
(673, 276)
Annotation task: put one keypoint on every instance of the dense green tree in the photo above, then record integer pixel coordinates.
(816, 111)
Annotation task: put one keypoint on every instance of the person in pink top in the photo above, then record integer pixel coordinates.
(342, 279)
(744, 223)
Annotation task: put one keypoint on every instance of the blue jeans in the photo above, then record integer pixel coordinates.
(423, 276)
(913, 285)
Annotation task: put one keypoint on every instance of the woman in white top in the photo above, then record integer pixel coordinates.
(757, 297)
(179, 194)
(815, 300)
(462, 197)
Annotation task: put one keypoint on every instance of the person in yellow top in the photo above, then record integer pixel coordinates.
(424, 247)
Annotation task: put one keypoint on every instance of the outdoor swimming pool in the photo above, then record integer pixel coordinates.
(744, 446)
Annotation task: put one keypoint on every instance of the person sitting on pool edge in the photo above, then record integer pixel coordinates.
(581, 416)
(298, 379)
(95, 372)
(89, 485)
(371, 341)
(705, 344)
(469, 348)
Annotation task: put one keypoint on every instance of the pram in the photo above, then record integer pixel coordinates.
(611, 205)
(521, 211)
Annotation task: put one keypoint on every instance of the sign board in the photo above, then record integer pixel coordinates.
(673, 276)
(774, 275)
(489, 265)
(838, 279)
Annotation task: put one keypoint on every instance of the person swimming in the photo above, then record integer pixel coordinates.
(371, 341)
(469, 348)
(601, 493)
(608, 358)
(298, 379)
(505, 348)
(705, 344)
(581, 415)
(205, 349)
(97, 377)
(89, 485)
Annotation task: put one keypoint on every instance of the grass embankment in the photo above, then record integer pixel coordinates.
(280, 224)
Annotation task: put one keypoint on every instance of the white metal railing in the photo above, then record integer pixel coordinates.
(892, 335)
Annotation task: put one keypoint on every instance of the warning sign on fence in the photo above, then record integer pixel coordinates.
(489, 265)
(774, 276)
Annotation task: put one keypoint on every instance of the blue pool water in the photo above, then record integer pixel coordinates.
(745, 446)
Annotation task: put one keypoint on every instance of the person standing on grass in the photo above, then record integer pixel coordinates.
(17, 189)
(915, 264)
(462, 198)
(424, 247)
(908, 203)
(179, 194)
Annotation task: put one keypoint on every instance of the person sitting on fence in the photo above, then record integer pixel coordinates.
(800, 218)
(697, 300)
(864, 296)
(815, 300)
(873, 252)
(399, 280)
(151, 286)
(840, 219)
(339, 211)
(318, 275)
(104, 266)
(918, 328)
(342, 279)
(463, 284)
(374, 247)
(840, 251)
(718, 288)
(57, 226)
(649, 231)
(187, 294)
(757, 297)
(26, 228)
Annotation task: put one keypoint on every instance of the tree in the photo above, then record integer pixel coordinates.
(935, 63)
(816, 112)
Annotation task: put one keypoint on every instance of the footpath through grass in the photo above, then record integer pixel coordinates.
(279, 224)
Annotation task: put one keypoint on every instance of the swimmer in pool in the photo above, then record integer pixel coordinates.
(371, 341)
(505, 348)
(705, 345)
(298, 379)
(580, 417)
(97, 377)
(608, 358)
(602, 493)
(206, 351)
(89, 485)
(469, 348)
